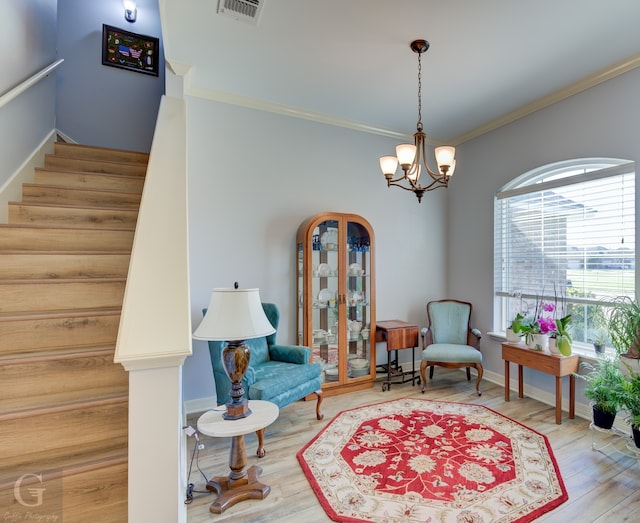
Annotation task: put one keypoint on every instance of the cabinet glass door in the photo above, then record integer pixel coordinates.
(357, 300)
(325, 292)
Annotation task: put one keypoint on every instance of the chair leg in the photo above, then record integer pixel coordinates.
(319, 414)
(480, 372)
(261, 453)
(423, 374)
(469, 373)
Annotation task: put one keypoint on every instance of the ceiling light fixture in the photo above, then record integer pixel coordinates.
(412, 157)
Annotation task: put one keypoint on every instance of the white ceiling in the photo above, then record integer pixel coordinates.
(350, 59)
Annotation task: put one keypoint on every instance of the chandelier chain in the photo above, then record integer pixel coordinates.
(419, 125)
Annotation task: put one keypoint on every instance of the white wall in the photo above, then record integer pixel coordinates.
(97, 104)
(28, 38)
(255, 176)
(602, 121)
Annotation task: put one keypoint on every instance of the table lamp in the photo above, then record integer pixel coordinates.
(233, 316)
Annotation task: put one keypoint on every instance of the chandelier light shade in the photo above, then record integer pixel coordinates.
(412, 157)
(233, 316)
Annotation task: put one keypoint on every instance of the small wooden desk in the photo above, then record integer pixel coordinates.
(398, 335)
(240, 484)
(553, 364)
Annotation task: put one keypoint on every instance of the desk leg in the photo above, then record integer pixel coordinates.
(506, 380)
(572, 396)
(558, 400)
(520, 384)
(240, 484)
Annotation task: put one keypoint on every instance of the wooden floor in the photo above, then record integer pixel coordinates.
(602, 486)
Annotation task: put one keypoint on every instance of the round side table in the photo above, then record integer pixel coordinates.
(240, 484)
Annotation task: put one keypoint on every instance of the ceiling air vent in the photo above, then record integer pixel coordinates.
(244, 10)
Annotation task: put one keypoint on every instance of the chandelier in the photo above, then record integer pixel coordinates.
(412, 157)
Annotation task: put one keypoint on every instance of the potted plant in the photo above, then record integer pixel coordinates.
(631, 400)
(561, 336)
(605, 387)
(623, 324)
(600, 341)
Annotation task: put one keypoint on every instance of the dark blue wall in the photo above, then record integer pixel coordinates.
(97, 104)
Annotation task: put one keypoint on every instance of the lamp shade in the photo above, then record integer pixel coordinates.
(234, 314)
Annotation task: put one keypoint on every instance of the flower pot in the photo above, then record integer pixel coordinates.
(537, 341)
(553, 349)
(636, 435)
(602, 419)
(512, 337)
(600, 349)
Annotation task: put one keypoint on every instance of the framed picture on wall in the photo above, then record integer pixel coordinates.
(128, 50)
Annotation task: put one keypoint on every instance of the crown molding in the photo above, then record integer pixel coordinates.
(295, 112)
(555, 97)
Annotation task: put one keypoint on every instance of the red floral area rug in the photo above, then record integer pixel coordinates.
(411, 460)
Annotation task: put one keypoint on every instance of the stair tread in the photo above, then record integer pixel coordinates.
(68, 353)
(92, 207)
(120, 397)
(70, 465)
(52, 281)
(89, 173)
(60, 228)
(95, 160)
(63, 252)
(80, 189)
(58, 402)
(10, 316)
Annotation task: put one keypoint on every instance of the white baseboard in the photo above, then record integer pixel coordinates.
(11, 191)
(200, 405)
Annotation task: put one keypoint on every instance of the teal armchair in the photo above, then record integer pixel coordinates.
(449, 341)
(281, 374)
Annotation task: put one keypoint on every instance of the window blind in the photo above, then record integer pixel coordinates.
(570, 235)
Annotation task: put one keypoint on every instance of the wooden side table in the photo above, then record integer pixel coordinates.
(240, 484)
(553, 364)
(398, 335)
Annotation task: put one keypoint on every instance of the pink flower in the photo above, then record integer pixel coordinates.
(546, 325)
(548, 307)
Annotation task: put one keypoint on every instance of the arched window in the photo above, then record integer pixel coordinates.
(565, 234)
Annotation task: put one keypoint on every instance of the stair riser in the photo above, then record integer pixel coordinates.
(79, 196)
(81, 265)
(98, 496)
(20, 336)
(27, 296)
(31, 382)
(94, 166)
(59, 239)
(33, 440)
(90, 180)
(70, 150)
(33, 214)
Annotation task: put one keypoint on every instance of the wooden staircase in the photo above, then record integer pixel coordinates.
(64, 257)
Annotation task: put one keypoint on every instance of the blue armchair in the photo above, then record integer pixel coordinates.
(449, 341)
(281, 374)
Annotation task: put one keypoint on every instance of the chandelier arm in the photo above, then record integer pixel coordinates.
(437, 183)
(421, 154)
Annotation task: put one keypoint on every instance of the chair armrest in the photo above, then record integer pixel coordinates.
(473, 338)
(427, 337)
(290, 353)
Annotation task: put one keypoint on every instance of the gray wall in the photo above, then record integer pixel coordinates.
(603, 121)
(254, 177)
(97, 104)
(28, 37)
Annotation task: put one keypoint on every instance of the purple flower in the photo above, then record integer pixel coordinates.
(546, 325)
(548, 307)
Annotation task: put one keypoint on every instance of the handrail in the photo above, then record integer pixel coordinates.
(32, 80)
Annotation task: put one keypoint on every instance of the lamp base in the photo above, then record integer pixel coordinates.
(236, 410)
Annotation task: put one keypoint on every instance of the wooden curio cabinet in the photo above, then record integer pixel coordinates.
(336, 298)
